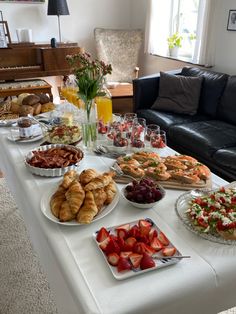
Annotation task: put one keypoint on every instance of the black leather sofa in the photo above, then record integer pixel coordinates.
(210, 134)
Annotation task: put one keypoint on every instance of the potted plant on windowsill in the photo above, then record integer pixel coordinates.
(174, 43)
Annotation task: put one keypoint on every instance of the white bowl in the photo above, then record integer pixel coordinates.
(143, 205)
(51, 172)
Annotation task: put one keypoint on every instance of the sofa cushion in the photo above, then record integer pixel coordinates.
(165, 119)
(204, 137)
(227, 107)
(178, 94)
(226, 157)
(212, 88)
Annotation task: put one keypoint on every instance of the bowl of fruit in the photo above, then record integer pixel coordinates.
(145, 193)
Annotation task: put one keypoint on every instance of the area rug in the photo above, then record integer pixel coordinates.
(24, 288)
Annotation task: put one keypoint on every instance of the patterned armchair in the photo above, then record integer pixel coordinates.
(120, 48)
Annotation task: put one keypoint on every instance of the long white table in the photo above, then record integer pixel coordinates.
(78, 275)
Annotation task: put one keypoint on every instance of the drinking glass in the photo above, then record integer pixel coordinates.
(152, 129)
(158, 140)
(138, 133)
(128, 122)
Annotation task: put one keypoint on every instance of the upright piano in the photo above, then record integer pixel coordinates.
(21, 61)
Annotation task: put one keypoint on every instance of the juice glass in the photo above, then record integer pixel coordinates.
(104, 109)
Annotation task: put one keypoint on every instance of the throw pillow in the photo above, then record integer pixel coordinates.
(178, 94)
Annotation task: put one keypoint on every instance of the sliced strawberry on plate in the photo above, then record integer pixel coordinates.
(134, 231)
(102, 234)
(152, 234)
(121, 243)
(123, 264)
(113, 259)
(104, 243)
(147, 262)
(125, 254)
(135, 259)
(144, 239)
(139, 247)
(112, 247)
(129, 244)
(125, 226)
(149, 250)
(169, 251)
(162, 237)
(156, 244)
(122, 233)
(144, 227)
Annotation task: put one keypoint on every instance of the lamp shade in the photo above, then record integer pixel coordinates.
(57, 7)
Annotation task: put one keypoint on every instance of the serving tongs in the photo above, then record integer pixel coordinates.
(119, 172)
(104, 151)
(171, 257)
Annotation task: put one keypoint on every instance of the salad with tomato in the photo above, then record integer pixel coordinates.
(215, 213)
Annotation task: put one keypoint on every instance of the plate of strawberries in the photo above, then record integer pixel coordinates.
(134, 248)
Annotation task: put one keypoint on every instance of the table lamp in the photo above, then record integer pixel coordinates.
(58, 7)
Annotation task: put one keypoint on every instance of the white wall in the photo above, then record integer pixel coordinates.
(84, 16)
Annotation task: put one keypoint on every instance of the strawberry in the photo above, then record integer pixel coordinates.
(152, 234)
(149, 250)
(134, 231)
(143, 239)
(144, 227)
(163, 239)
(147, 262)
(156, 244)
(112, 247)
(104, 243)
(121, 243)
(139, 248)
(123, 264)
(135, 259)
(125, 254)
(113, 259)
(102, 234)
(125, 226)
(122, 233)
(129, 244)
(168, 251)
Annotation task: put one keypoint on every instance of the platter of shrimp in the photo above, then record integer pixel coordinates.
(175, 171)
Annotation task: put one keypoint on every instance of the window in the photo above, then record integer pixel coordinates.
(188, 19)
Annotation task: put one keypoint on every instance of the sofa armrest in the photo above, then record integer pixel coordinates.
(146, 89)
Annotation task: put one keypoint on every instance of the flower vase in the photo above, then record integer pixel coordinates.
(89, 126)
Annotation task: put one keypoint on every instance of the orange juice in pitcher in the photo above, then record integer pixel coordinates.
(104, 107)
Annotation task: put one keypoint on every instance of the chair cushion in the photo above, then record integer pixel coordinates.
(178, 94)
(227, 107)
(204, 137)
(165, 119)
(212, 88)
(120, 48)
(226, 157)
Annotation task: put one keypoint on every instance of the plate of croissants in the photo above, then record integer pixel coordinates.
(80, 198)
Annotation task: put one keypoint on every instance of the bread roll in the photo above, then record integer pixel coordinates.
(43, 98)
(49, 106)
(21, 97)
(37, 108)
(30, 100)
(25, 110)
(15, 107)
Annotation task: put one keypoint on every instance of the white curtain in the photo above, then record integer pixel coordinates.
(158, 27)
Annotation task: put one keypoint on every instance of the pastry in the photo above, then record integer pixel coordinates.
(89, 209)
(110, 191)
(75, 196)
(99, 182)
(68, 177)
(87, 175)
(100, 197)
(56, 201)
(65, 213)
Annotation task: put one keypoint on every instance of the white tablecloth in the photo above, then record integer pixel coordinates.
(78, 275)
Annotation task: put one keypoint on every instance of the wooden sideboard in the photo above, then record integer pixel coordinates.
(122, 98)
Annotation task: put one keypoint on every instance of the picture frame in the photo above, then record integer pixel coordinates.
(231, 25)
(5, 37)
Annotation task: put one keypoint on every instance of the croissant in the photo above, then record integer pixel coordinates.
(110, 191)
(65, 213)
(99, 182)
(100, 197)
(87, 175)
(56, 201)
(75, 196)
(69, 176)
(88, 210)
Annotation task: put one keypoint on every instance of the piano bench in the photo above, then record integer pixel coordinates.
(16, 88)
